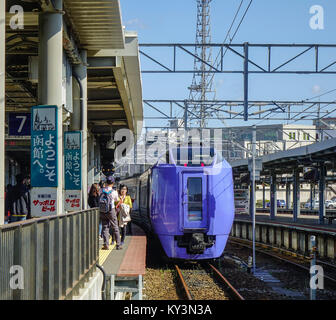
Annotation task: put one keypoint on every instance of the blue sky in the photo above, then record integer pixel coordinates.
(268, 21)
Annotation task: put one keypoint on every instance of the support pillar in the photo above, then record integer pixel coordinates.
(2, 107)
(273, 197)
(246, 74)
(322, 188)
(91, 153)
(251, 200)
(288, 187)
(296, 195)
(50, 78)
(81, 73)
(264, 197)
(311, 196)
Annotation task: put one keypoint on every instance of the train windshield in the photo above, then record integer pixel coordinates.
(195, 206)
(193, 157)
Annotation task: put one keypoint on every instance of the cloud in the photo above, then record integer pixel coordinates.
(316, 88)
(136, 23)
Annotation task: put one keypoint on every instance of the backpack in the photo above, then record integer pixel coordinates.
(105, 202)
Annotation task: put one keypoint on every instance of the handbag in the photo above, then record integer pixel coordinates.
(124, 214)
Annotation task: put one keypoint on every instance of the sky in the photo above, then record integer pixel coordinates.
(267, 21)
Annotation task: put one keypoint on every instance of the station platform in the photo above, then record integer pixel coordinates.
(284, 233)
(125, 268)
(307, 221)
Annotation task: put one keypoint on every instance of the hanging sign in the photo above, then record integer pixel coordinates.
(44, 146)
(19, 124)
(73, 160)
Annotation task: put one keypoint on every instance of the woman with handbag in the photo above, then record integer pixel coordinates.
(124, 208)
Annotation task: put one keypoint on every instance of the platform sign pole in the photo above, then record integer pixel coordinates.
(312, 264)
(264, 196)
(273, 189)
(322, 187)
(296, 195)
(254, 139)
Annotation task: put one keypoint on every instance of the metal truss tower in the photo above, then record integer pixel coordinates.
(201, 88)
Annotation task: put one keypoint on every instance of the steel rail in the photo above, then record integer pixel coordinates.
(183, 283)
(298, 265)
(233, 292)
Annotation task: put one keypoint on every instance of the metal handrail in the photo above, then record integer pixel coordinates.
(104, 281)
(48, 258)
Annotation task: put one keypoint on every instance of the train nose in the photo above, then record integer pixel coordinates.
(195, 242)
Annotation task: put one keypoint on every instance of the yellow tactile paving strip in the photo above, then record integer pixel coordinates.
(103, 254)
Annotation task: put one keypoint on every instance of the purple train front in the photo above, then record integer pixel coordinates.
(190, 206)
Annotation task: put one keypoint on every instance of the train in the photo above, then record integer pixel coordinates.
(188, 203)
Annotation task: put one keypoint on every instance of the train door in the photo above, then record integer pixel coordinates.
(194, 201)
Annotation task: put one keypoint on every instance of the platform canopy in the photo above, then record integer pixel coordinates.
(98, 23)
(114, 77)
(284, 162)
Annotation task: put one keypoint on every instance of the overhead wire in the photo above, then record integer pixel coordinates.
(235, 33)
(229, 31)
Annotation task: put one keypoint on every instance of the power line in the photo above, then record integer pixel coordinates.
(235, 33)
(321, 95)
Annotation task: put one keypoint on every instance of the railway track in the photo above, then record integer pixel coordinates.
(205, 282)
(297, 260)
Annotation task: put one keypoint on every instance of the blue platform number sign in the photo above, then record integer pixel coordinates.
(44, 146)
(72, 160)
(19, 124)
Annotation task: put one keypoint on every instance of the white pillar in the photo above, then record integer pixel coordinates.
(91, 149)
(2, 107)
(81, 72)
(50, 79)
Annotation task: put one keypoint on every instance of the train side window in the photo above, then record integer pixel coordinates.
(132, 192)
(143, 195)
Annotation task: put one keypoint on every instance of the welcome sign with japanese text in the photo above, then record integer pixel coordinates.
(44, 146)
(73, 160)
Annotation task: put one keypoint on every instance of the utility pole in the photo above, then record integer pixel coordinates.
(254, 141)
(185, 116)
(202, 82)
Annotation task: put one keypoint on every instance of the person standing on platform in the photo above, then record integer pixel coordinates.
(93, 202)
(8, 194)
(19, 202)
(125, 199)
(101, 185)
(108, 213)
(94, 194)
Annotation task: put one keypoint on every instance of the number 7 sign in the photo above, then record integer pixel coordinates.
(19, 124)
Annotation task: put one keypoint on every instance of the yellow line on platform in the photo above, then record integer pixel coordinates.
(103, 254)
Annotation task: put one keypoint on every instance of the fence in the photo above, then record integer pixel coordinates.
(48, 258)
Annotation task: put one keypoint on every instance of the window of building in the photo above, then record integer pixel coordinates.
(292, 136)
(306, 136)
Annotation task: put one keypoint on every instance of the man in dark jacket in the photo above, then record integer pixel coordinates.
(19, 206)
(109, 219)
